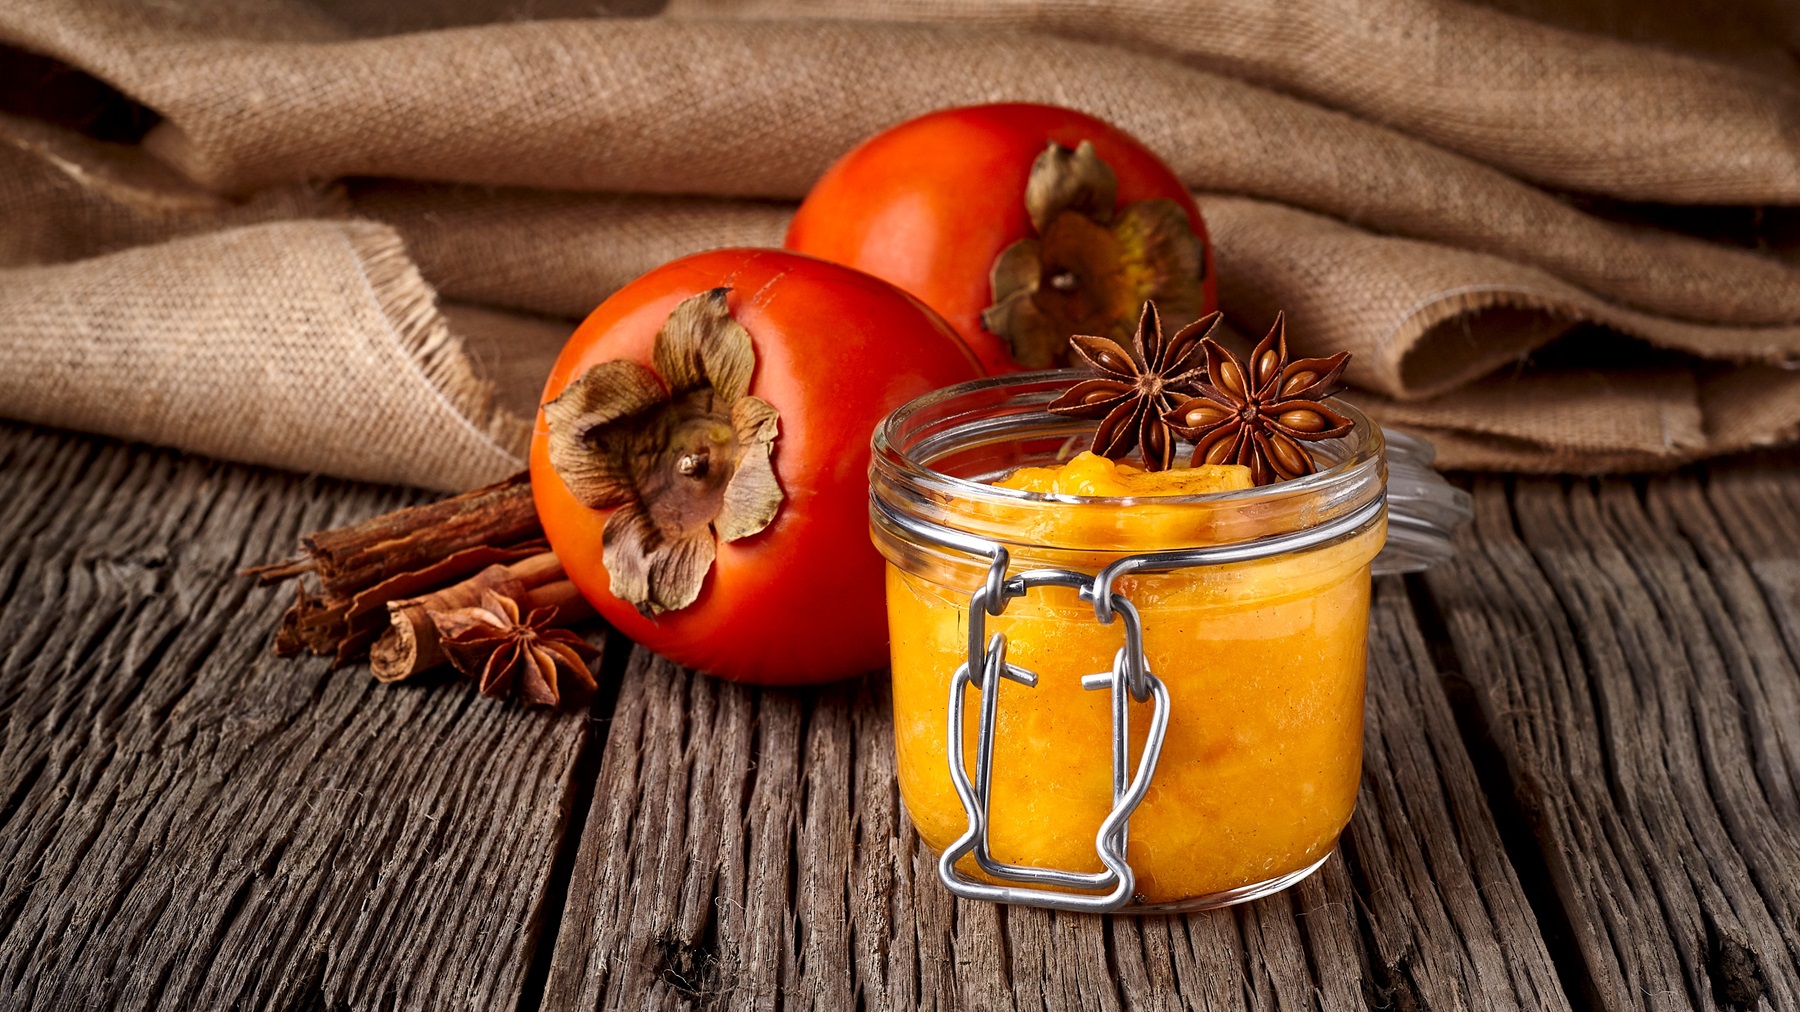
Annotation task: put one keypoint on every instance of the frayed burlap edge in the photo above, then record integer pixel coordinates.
(314, 346)
(422, 333)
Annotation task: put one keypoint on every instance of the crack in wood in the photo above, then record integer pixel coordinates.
(1517, 816)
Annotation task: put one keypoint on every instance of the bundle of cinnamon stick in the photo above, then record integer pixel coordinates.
(395, 587)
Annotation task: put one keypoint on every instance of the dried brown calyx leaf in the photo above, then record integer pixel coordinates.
(680, 453)
(1090, 266)
(491, 645)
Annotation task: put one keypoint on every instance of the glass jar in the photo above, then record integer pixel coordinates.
(1115, 703)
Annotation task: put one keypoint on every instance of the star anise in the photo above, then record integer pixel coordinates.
(1258, 416)
(1137, 388)
(491, 646)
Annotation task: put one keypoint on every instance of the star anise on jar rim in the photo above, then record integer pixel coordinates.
(1137, 388)
(1259, 415)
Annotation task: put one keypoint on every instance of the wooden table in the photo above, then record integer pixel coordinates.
(1581, 789)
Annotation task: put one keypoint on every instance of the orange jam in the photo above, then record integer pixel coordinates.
(1264, 664)
(1091, 474)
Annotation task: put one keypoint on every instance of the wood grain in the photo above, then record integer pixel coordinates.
(1631, 678)
(1429, 860)
(190, 823)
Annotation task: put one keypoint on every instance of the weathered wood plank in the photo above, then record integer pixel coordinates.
(190, 823)
(822, 916)
(1423, 912)
(1749, 543)
(1617, 682)
(1427, 857)
(186, 823)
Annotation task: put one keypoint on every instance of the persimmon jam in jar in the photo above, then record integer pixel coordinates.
(1194, 739)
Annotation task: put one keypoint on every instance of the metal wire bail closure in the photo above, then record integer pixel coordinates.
(1130, 672)
(1130, 678)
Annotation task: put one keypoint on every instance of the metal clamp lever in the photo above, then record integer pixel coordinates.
(1130, 678)
(987, 664)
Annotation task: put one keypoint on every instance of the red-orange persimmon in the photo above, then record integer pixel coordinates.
(801, 599)
(930, 205)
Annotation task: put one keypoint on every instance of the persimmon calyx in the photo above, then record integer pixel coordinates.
(680, 453)
(1090, 268)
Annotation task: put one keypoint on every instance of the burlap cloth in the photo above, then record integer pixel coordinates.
(348, 239)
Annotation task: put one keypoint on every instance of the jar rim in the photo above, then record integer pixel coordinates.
(891, 454)
(1006, 415)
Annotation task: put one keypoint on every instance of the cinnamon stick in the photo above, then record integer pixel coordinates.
(350, 559)
(389, 586)
(367, 615)
(358, 569)
(410, 644)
